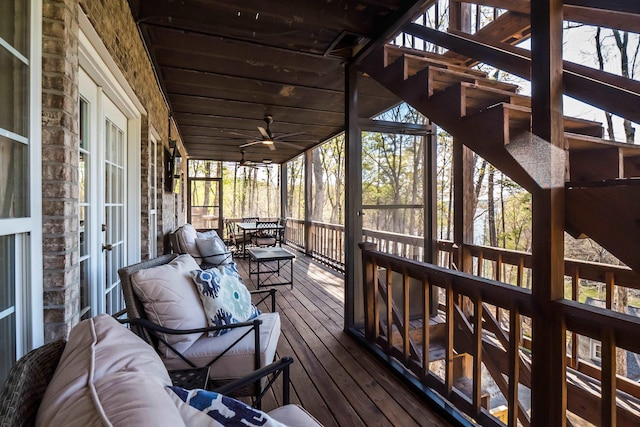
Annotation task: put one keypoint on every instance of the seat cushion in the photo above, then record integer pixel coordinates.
(238, 361)
(170, 299)
(107, 376)
(294, 416)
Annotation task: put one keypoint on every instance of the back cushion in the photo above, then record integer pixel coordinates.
(187, 236)
(170, 299)
(107, 376)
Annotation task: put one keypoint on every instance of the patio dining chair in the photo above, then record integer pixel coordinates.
(235, 239)
(267, 234)
(164, 308)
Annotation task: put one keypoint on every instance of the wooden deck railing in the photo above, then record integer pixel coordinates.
(486, 328)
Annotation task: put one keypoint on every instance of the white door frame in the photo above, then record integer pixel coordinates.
(97, 65)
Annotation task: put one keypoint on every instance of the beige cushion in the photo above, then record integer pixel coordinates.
(187, 236)
(107, 376)
(294, 416)
(213, 251)
(171, 300)
(238, 361)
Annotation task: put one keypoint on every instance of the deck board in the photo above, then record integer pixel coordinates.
(333, 377)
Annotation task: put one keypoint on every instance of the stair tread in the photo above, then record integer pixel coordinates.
(580, 142)
(520, 117)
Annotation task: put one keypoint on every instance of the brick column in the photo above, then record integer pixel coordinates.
(60, 140)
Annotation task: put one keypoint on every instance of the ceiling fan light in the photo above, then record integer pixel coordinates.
(267, 161)
(267, 142)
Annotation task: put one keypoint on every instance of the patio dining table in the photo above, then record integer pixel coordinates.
(248, 227)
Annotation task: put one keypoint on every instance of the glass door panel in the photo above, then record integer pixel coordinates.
(205, 203)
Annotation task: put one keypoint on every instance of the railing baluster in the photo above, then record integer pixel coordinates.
(575, 282)
(448, 377)
(405, 316)
(608, 380)
(389, 309)
(610, 283)
(426, 327)
(477, 355)
(515, 328)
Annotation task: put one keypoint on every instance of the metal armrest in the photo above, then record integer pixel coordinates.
(268, 293)
(275, 369)
(156, 330)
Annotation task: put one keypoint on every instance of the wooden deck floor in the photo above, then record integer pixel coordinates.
(334, 378)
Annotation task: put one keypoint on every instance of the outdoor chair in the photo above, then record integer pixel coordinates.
(164, 308)
(207, 248)
(235, 239)
(267, 234)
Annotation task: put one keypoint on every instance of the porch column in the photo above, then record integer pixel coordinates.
(283, 190)
(308, 202)
(353, 304)
(547, 165)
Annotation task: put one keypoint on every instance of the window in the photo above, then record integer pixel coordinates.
(20, 216)
(596, 350)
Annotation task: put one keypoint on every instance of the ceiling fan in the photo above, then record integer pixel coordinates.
(268, 139)
(250, 163)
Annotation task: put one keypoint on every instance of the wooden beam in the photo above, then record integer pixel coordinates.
(308, 202)
(625, 6)
(600, 17)
(611, 93)
(383, 126)
(548, 388)
(406, 11)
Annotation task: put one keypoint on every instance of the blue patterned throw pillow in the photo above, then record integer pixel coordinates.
(225, 410)
(224, 297)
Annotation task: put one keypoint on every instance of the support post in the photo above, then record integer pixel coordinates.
(430, 204)
(548, 394)
(283, 194)
(354, 298)
(308, 202)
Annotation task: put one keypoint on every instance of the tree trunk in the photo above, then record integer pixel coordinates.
(318, 199)
(493, 240)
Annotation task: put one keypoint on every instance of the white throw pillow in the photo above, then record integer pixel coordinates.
(213, 251)
(171, 300)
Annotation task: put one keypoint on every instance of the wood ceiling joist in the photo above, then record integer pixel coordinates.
(183, 103)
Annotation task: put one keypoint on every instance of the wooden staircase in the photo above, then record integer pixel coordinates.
(602, 190)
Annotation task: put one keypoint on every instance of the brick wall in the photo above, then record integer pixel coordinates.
(60, 166)
(60, 142)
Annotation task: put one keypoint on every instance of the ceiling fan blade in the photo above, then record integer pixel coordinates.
(288, 144)
(271, 146)
(264, 133)
(287, 135)
(250, 144)
(243, 135)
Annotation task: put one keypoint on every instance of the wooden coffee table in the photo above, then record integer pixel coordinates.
(268, 262)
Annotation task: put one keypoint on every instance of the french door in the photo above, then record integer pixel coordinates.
(103, 129)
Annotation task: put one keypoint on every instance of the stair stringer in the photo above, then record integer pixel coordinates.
(609, 214)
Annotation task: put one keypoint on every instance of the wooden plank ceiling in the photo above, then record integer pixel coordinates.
(225, 65)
